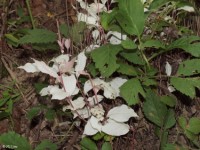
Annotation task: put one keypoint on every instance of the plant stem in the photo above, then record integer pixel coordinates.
(30, 13)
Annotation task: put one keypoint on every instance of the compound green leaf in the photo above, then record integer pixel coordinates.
(130, 90)
(15, 140)
(154, 109)
(105, 59)
(37, 36)
(106, 146)
(131, 16)
(185, 85)
(188, 44)
(189, 67)
(182, 122)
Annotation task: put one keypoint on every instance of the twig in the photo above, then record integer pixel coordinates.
(30, 13)
(13, 78)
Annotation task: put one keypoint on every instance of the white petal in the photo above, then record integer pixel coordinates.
(116, 83)
(121, 113)
(30, 67)
(95, 123)
(89, 130)
(69, 83)
(61, 58)
(45, 68)
(88, 19)
(81, 62)
(88, 85)
(168, 69)
(57, 93)
(84, 113)
(115, 128)
(77, 104)
(109, 92)
(187, 8)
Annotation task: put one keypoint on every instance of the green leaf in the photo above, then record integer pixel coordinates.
(168, 100)
(4, 115)
(39, 86)
(133, 57)
(182, 122)
(88, 144)
(127, 69)
(185, 85)
(46, 144)
(130, 91)
(13, 139)
(12, 39)
(105, 59)
(191, 135)
(38, 36)
(34, 111)
(169, 120)
(107, 19)
(128, 44)
(50, 114)
(158, 3)
(106, 146)
(173, 147)
(98, 136)
(77, 32)
(64, 29)
(131, 20)
(189, 67)
(154, 109)
(148, 82)
(153, 43)
(194, 125)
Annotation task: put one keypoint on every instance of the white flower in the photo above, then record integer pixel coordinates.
(114, 125)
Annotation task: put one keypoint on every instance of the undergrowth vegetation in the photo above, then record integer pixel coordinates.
(116, 59)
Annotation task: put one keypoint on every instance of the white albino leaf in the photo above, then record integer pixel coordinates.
(67, 43)
(45, 68)
(92, 100)
(187, 8)
(77, 104)
(104, 1)
(168, 69)
(57, 93)
(121, 113)
(116, 83)
(89, 130)
(69, 83)
(67, 66)
(30, 67)
(115, 128)
(81, 62)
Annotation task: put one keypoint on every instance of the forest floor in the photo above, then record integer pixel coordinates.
(61, 130)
